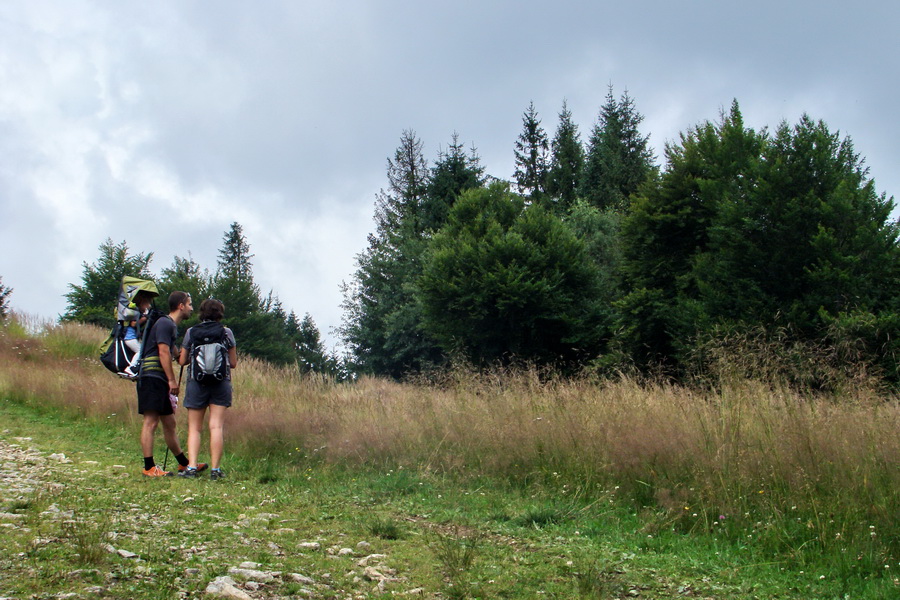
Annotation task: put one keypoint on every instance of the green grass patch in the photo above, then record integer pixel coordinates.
(386, 528)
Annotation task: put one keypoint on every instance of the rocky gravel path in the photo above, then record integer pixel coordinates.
(23, 471)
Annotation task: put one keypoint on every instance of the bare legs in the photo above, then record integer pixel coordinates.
(195, 427)
(216, 434)
(151, 420)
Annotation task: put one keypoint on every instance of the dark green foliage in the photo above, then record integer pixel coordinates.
(812, 236)
(312, 357)
(382, 322)
(504, 282)
(749, 230)
(566, 164)
(669, 226)
(258, 325)
(241, 297)
(94, 300)
(619, 158)
(532, 156)
(453, 173)
(4, 299)
(261, 334)
(600, 231)
(184, 275)
(398, 212)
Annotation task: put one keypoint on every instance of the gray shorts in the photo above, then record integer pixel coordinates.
(199, 395)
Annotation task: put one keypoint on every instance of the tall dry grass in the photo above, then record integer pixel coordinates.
(744, 455)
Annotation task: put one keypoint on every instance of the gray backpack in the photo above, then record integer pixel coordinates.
(209, 356)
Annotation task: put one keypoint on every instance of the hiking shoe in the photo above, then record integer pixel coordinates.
(200, 467)
(126, 374)
(156, 472)
(217, 474)
(188, 473)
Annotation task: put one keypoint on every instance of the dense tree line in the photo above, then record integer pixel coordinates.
(595, 255)
(591, 256)
(259, 322)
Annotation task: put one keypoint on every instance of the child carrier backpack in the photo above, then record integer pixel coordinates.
(209, 356)
(114, 354)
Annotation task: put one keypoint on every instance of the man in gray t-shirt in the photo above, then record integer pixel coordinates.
(157, 383)
(164, 332)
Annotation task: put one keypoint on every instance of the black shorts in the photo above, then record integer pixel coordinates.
(199, 396)
(153, 395)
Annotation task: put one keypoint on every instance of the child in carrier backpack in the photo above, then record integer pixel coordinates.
(133, 318)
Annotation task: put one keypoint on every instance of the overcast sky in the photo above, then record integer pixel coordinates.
(160, 123)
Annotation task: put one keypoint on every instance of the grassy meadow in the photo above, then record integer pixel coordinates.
(497, 485)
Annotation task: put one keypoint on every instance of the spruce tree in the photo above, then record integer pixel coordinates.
(619, 158)
(311, 354)
(454, 172)
(808, 240)
(381, 324)
(398, 210)
(567, 162)
(234, 256)
(233, 282)
(532, 149)
(94, 300)
(256, 322)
